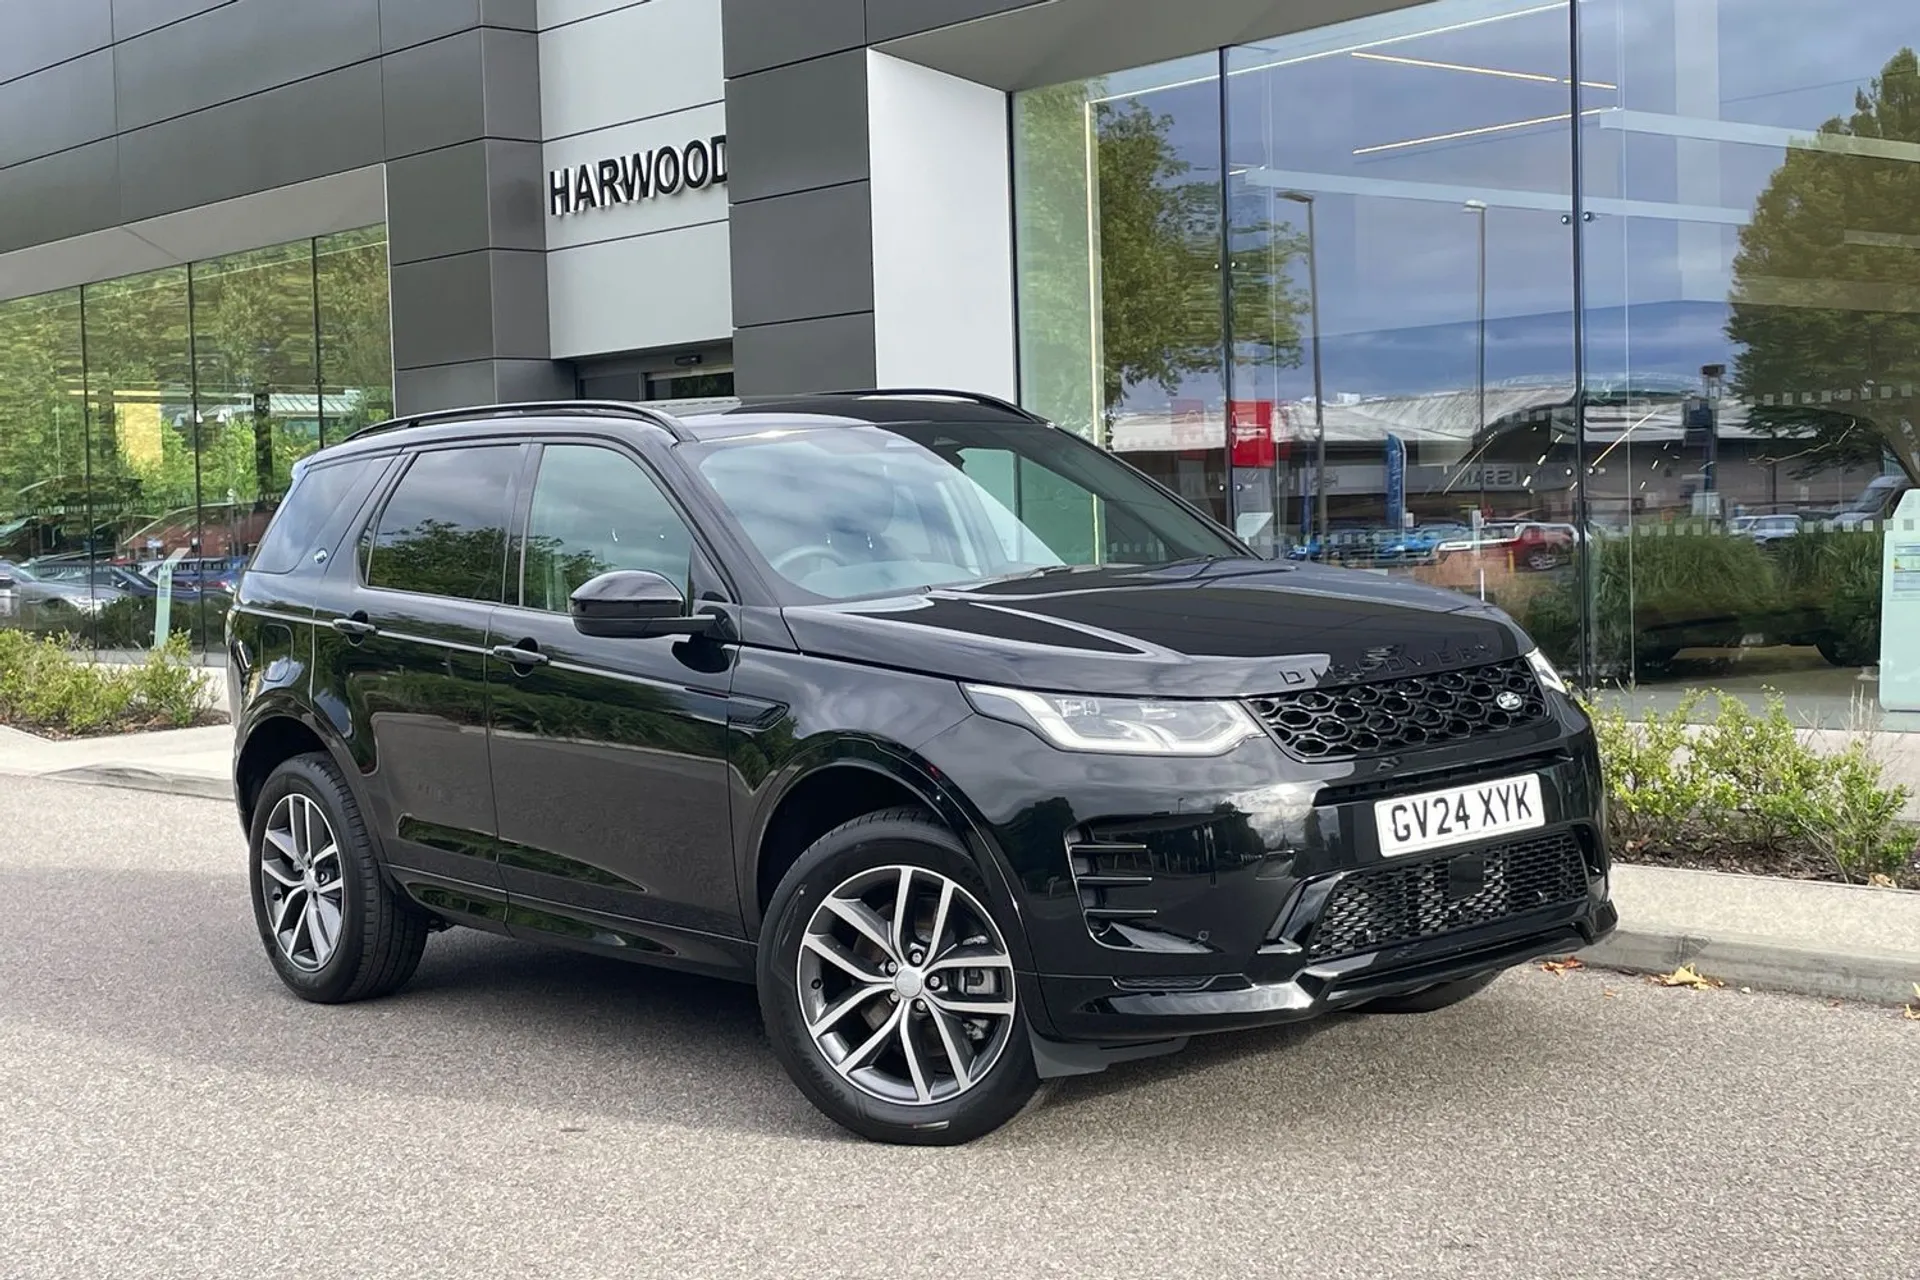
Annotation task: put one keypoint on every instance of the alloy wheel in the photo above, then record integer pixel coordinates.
(300, 881)
(906, 986)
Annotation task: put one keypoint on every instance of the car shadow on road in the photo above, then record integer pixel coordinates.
(174, 969)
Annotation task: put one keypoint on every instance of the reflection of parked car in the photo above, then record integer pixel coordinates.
(26, 590)
(1529, 544)
(215, 573)
(1766, 529)
(117, 577)
(1876, 502)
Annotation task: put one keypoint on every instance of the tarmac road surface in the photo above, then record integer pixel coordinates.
(166, 1109)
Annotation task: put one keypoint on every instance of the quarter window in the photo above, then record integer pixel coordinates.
(314, 499)
(595, 511)
(444, 530)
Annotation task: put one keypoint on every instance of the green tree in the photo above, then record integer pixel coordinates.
(1149, 256)
(1826, 294)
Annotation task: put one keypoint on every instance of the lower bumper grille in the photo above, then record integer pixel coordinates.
(1407, 901)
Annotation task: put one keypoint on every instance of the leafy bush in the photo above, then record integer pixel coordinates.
(46, 684)
(1745, 784)
(1836, 574)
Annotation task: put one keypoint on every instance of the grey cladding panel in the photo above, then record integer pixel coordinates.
(510, 61)
(404, 23)
(443, 311)
(236, 50)
(520, 305)
(59, 196)
(39, 33)
(800, 256)
(798, 127)
(828, 354)
(435, 95)
(437, 203)
(307, 130)
(891, 19)
(758, 34)
(131, 17)
(446, 386)
(58, 108)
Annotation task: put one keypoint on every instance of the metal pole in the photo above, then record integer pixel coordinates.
(1481, 377)
(1319, 387)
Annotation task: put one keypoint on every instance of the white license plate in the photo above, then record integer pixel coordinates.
(1436, 819)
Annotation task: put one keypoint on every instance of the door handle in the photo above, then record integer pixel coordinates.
(354, 625)
(520, 655)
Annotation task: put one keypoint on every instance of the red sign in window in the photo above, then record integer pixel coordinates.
(1250, 426)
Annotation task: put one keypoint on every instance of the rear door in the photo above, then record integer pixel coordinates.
(609, 755)
(401, 645)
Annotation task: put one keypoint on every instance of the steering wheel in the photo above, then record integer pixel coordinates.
(783, 563)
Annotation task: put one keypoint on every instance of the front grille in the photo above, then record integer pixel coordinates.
(1406, 901)
(1397, 715)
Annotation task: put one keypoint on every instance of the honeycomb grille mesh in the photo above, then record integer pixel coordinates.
(1408, 713)
(1407, 901)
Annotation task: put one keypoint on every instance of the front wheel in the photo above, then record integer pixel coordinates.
(888, 987)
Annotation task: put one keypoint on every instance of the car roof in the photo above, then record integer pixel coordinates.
(689, 421)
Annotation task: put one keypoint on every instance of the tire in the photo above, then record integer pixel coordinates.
(909, 1088)
(1843, 653)
(1433, 999)
(377, 935)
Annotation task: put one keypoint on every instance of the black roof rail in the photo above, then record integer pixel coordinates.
(946, 393)
(623, 408)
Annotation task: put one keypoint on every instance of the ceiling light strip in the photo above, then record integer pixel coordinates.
(1532, 76)
(1480, 132)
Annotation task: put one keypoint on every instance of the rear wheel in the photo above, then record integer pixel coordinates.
(1433, 999)
(888, 987)
(333, 929)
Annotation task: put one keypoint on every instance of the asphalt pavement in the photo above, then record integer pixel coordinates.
(167, 1110)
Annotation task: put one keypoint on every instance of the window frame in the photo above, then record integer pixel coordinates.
(409, 457)
(704, 563)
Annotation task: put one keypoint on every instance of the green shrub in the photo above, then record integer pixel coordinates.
(46, 683)
(1744, 783)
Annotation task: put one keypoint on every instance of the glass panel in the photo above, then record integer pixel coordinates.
(595, 511)
(443, 532)
(356, 334)
(253, 345)
(1753, 258)
(1118, 232)
(848, 511)
(43, 465)
(142, 446)
(1400, 198)
(315, 497)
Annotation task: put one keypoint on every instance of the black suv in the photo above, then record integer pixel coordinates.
(986, 758)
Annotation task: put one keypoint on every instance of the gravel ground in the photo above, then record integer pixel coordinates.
(170, 1111)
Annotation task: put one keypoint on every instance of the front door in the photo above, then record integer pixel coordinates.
(401, 626)
(609, 756)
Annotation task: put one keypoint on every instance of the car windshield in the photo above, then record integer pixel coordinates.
(844, 511)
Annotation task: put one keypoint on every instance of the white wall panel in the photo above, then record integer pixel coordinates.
(641, 216)
(673, 288)
(942, 230)
(629, 64)
(553, 13)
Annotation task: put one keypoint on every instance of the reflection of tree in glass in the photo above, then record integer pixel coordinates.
(437, 557)
(1826, 293)
(1158, 253)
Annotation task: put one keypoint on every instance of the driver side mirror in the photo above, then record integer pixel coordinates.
(632, 604)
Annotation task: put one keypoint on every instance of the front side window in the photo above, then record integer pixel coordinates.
(855, 510)
(595, 511)
(444, 530)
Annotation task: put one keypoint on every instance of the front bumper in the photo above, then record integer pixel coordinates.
(1162, 899)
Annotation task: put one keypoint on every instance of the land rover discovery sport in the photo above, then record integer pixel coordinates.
(985, 757)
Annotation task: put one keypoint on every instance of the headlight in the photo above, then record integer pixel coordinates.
(1549, 676)
(1126, 726)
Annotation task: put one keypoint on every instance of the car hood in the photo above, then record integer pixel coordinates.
(1229, 628)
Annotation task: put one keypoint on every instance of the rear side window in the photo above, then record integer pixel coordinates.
(316, 497)
(444, 530)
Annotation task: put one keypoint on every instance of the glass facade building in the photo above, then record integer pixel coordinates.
(153, 420)
(1606, 312)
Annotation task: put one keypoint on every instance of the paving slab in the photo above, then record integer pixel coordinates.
(195, 762)
(1848, 942)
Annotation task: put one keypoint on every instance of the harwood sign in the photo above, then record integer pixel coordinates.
(643, 175)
